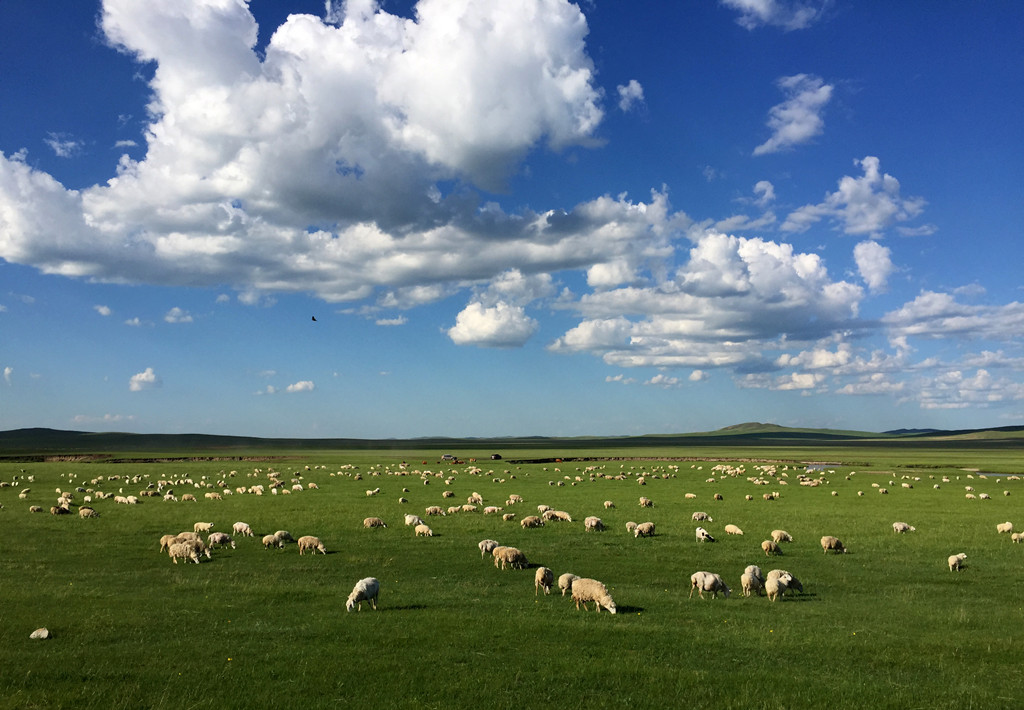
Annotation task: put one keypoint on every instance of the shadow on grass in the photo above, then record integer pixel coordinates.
(629, 609)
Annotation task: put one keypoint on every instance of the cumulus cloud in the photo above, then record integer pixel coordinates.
(874, 262)
(630, 94)
(934, 315)
(301, 386)
(797, 119)
(63, 145)
(698, 376)
(499, 326)
(765, 192)
(102, 310)
(134, 322)
(147, 379)
(865, 205)
(785, 14)
(178, 315)
(664, 381)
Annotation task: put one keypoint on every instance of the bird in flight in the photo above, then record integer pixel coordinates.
(314, 319)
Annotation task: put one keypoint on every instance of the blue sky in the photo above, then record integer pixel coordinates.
(516, 218)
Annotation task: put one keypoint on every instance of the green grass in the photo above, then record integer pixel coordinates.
(884, 626)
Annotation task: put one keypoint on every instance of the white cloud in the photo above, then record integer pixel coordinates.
(400, 320)
(866, 205)
(620, 378)
(178, 315)
(134, 322)
(874, 262)
(125, 144)
(301, 386)
(63, 145)
(935, 315)
(873, 384)
(105, 419)
(8, 371)
(664, 381)
(797, 119)
(147, 379)
(765, 192)
(102, 310)
(784, 14)
(630, 94)
(698, 376)
(498, 326)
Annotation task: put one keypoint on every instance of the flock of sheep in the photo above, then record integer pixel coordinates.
(191, 546)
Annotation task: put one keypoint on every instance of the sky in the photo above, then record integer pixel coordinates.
(470, 218)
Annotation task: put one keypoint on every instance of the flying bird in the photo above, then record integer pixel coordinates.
(314, 319)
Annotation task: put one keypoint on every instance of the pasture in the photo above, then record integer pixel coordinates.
(887, 625)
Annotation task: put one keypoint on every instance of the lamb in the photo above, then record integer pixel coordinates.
(311, 543)
(184, 551)
(1017, 537)
(700, 515)
(590, 590)
(413, 519)
(781, 536)
(202, 527)
(543, 579)
(565, 582)
(732, 530)
(220, 540)
(770, 548)
(366, 590)
(487, 546)
(646, 502)
(422, 530)
(1006, 527)
(87, 512)
(956, 562)
(593, 523)
(902, 528)
(509, 556)
(631, 527)
(708, 582)
(703, 535)
(609, 504)
(752, 581)
(644, 530)
(373, 523)
(828, 542)
(242, 529)
(531, 521)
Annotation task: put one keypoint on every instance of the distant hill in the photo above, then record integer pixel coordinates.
(45, 443)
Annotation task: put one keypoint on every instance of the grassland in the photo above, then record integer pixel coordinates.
(885, 626)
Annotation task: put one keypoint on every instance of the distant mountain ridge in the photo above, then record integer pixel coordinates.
(50, 442)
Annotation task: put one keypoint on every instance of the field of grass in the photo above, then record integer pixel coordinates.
(887, 625)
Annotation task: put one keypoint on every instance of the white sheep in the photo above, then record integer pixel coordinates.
(631, 527)
(956, 562)
(220, 539)
(790, 581)
(700, 515)
(422, 530)
(899, 527)
(184, 551)
(284, 536)
(708, 582)
(242, 529)
(366, 590)
(609, 504)
(543, 579)
(781, 536)
(487, 546)
(775, 586)
(411, 519)
(646, 502)
(565, 582)
(731, 529)
(752, 581)
(509, 557)
(703, 535)
(644, 530)
(202, 527)
(531, 521)
(1017, 537)
(770, 548)
(593, 523)
(590, 590)
(373, 522)
(1006, 527)
(311, 543)
(828, 542)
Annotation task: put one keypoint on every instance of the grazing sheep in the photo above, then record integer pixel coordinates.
(732, 530)
(781, 536)
(165, 542)
(902, 528)
(565, 582)
(284, 536)
(644, 530)
(188, 497)
(770, 548)
(956, 562)
(373, 523)
(590, 590)
(631, 527)
(718, 496)
(434, 510)
(35, 509)
(220, 539)
(1017, 537)
(202, 527)
(366, 590)
(828, 542)
(646, 502)
(776, 585)
(184, 551)
(787, 577)
(752, 581)
(531, 521)
(609, 504)
(413, 519)
(699, 515)
(422, 530)
(1006, 527)
(708, 582)
(87, 512)
(509, 556)
(593, 523)
(242, 529)
(311, 543)
(487, 546)
(271, 541)
(703, 535)
(543, 579)
(557, 515)
(508, 516)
